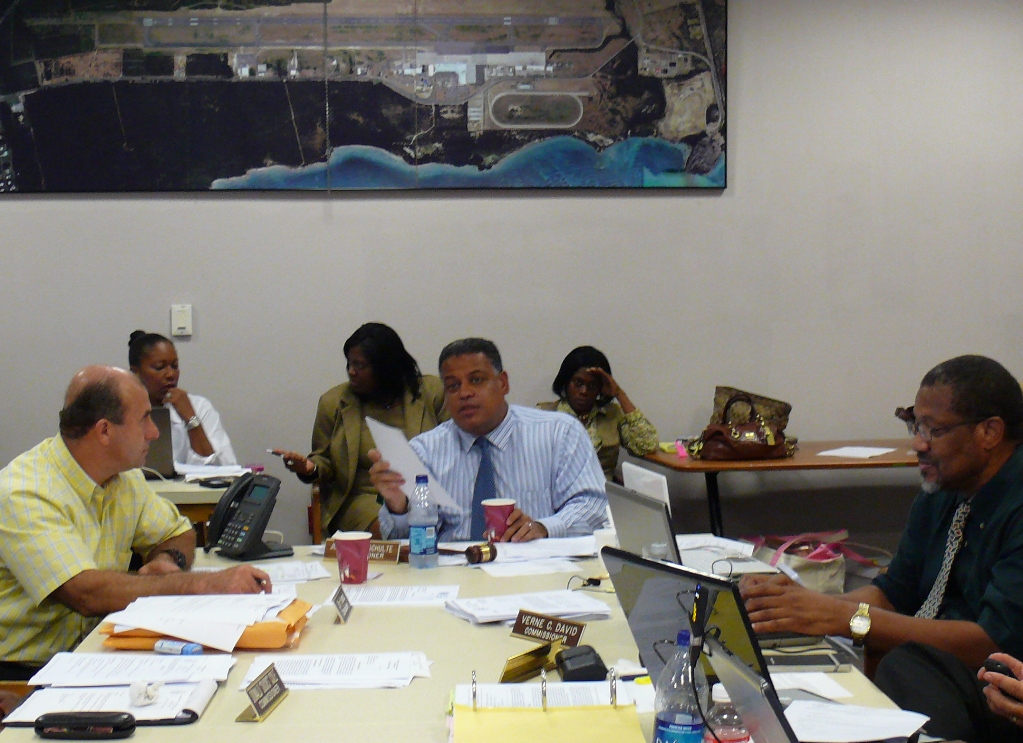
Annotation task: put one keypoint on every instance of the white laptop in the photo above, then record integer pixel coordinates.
(646, 482)
(640, 521)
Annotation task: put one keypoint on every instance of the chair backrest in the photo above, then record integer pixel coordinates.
(313, 511)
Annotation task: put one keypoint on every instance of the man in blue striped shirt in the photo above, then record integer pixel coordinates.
(543, 460)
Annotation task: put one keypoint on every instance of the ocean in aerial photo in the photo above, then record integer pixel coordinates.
(558, 162)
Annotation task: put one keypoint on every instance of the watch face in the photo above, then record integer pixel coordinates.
(859, 625)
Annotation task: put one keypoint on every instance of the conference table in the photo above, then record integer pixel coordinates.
(417, 712)
(806, 457)
(194, 501)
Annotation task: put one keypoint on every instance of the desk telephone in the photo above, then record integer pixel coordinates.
(237, 524)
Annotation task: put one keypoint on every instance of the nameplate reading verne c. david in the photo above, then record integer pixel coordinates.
(383, 551)
(342, 604)
(543, 628)
(265, 693)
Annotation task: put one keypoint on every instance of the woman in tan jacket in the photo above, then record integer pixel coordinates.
(384, 383)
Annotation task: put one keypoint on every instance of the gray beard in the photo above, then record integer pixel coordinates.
(929, 486)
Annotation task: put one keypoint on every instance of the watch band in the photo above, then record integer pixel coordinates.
(859, 624)
(177, 556)
(193, 423)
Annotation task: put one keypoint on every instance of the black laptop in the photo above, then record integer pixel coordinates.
(657, 599)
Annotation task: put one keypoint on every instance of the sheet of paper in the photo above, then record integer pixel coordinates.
(855, 452)
(532, 567)
(363, 595)
(118, 669)
(576, 694)
(822, 722)
(171, 701)
(698, 541)
(540, 549)
(815, 682)
(199, 471)
(292, 571)
(569, 604)
(213, 635)
(395, 449)
(718, 561)
(354, 670)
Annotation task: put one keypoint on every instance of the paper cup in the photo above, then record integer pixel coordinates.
(496, 512)
(352, 555)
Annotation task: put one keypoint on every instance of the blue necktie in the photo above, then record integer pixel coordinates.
(485, 488)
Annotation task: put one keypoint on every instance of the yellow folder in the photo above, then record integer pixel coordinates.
(556, 725)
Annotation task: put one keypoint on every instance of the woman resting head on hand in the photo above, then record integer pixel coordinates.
(586, 389)
(196, 431)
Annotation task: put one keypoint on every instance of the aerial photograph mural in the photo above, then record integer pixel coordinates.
(172, 95)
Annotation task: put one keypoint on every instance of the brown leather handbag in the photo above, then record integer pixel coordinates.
(755, 439)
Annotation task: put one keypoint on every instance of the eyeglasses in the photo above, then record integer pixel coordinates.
(925, 432)
(929, 433)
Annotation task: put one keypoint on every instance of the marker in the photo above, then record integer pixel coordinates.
(276, 454)
(176, 647)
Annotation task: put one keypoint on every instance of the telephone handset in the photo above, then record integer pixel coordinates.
(237, 524)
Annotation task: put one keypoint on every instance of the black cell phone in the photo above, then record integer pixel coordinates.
(85, 725)
(996, 666)
(826, 662)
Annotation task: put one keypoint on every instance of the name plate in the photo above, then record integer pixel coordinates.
(342, 604)
(384, 551)
(265, 693)
(543, 628)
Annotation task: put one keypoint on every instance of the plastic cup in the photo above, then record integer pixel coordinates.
(352, 555)
(495, 513)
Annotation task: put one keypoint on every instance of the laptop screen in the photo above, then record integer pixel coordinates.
(640, 521)
(657, 599)
(160, 458)
(754, 698)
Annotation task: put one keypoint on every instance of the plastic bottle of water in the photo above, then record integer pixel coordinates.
(422, 521)
(724, 720)
(677, 717)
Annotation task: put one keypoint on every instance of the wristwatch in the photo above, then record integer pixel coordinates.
(177, 556)
(193, 423)
(859, 624)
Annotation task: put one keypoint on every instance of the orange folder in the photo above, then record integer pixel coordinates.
(282, 631)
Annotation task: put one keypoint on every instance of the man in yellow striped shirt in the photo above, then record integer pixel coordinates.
(72, 510)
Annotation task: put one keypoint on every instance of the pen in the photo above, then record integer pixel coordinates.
(276, 454)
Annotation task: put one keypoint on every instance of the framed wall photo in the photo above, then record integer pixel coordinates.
(160, 95)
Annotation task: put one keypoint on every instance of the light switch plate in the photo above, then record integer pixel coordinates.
(181, 320)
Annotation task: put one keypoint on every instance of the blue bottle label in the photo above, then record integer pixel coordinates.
(423, 540)
(673, 732)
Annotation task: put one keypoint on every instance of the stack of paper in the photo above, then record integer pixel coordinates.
(364, 595)
(100, 682)
(211, 620)
(542, 549)
(575, 694)
(104, 669)
(352, 671)
(846, 723)
(175, 703)
(567, 604)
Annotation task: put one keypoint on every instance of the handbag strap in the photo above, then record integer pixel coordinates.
(739, 397)
(826, 537)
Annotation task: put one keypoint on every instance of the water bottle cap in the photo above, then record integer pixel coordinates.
(422, 479)
(683, 638)
(719, 694)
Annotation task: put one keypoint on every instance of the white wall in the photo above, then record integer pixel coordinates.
(870, 229)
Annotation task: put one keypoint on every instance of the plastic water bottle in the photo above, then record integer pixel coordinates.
(724, 719)
(422, 521)
(677, 717)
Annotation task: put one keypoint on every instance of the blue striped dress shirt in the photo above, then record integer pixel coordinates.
(544, 460)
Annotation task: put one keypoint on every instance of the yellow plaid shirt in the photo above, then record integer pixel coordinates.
(56, 522)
